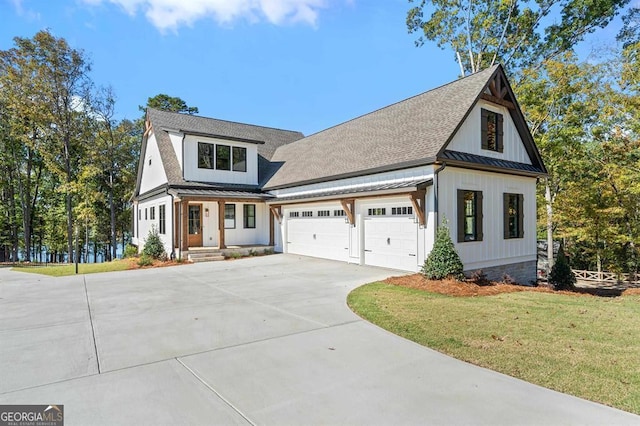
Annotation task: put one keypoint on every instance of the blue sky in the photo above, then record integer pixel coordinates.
(295, 64)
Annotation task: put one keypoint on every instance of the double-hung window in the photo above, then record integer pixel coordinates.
(162, 219)
(249, 215)
(469, 215)
(229, 216)
(513, 215)
(491, 130)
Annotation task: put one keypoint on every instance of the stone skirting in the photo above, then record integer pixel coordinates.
(524, 273)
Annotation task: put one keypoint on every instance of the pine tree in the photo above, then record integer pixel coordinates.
(561, 276)
(443, 261)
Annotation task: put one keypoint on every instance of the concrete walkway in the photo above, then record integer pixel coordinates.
(265, 340)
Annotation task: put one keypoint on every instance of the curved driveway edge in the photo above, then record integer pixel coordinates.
(265, 340)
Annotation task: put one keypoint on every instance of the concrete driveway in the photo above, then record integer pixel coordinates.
(265, 340)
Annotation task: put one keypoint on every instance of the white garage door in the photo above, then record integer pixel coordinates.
(325, 237)
(391, 242)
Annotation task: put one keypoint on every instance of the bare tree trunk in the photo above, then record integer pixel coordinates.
(112, 207)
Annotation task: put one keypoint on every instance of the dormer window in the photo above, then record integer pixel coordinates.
(222, 157)
(492, 131)
(205, 155)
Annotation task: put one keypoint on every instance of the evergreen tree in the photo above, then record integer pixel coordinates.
(561, 276)
(443, 261)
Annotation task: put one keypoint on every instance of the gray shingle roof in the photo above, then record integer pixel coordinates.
(268, 139)
(409, 132)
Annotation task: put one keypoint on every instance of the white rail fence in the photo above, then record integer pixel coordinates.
(606, 277)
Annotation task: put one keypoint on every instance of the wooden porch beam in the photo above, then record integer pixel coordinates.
(348, 207)
(417, 199)
(184, 219)
(221, 243)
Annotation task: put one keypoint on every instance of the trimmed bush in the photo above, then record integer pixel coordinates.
(153, 247)
(561, 276)
(145, 260)
(443, 261)
(130, 251)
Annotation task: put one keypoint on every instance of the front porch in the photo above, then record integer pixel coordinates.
(210, 228)
(210, 254)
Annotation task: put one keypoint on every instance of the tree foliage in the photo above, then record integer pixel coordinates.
(165, 102)
(443, 260)
(517, 34)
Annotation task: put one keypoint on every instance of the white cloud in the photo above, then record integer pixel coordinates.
(172, 14)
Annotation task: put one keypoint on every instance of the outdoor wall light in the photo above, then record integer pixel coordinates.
(206, 212)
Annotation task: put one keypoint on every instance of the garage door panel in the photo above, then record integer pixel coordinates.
(391, 242)
(321, 237)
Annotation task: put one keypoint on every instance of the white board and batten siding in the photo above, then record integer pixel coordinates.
(154, 174)
(193, 173)
(143, 221)
(494, 249)
(468, 137)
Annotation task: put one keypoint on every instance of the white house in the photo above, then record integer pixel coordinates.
(368, 191)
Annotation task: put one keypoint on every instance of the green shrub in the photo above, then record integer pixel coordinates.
(130, 251)
(233, 255)
(153, 247)
(561, 276)
(443, 261)
(145, 260)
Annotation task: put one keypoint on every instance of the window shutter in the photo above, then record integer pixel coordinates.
(479, 216)
(505, 214)
(499, 134)
(483, 127)
(521, 216)
(460, 207)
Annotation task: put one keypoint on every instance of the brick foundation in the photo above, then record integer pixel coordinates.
(524, 273)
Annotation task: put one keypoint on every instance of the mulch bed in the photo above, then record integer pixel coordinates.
(468, 289)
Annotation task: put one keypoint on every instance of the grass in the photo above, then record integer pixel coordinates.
(581, 345)
(83, 268)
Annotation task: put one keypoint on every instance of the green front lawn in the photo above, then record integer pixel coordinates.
(581, 345)
(83, 268)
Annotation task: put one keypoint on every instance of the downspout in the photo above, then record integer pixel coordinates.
(173, 233)
(436, 185)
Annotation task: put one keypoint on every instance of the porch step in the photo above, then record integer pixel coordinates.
(205, 255)
(200, 258)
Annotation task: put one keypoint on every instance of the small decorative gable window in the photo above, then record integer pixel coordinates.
(162, 217)
(469, 215)
(229, 216)
(249, 215)
(513, 216)
(223, 157)
(492, 130)
(205, 155)
(239, 159)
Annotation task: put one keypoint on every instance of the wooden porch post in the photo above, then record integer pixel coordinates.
(221, 243)
(184, 238)
(271, 228)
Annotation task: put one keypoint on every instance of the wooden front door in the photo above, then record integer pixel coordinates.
(195, 225)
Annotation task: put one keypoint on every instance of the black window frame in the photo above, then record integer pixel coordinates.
(231, 209)
(238, 166)
(463, 214)
(206, 150)
(162, 219)
(152, 213)
(247, 214)
(485, 130)
(513, 217)
(220, 157)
